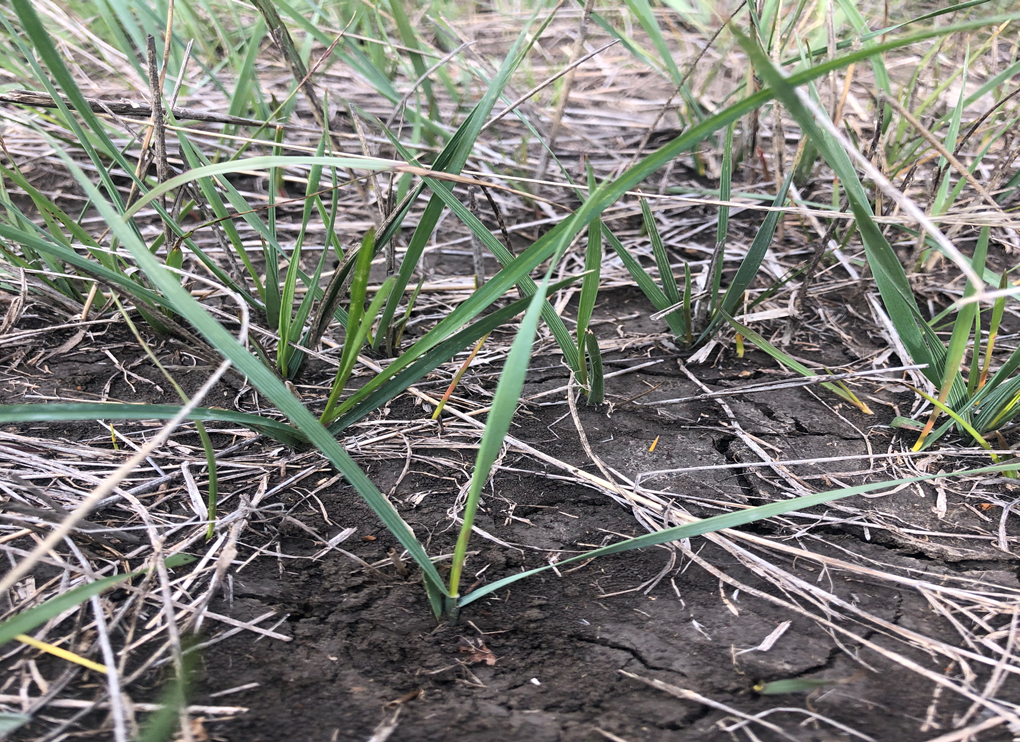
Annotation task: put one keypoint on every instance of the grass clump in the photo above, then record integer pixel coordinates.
(298, 216)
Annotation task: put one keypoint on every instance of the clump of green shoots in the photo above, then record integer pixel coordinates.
(142, 270)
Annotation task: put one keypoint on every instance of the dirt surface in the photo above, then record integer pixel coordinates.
(574, 654)
(545, 660)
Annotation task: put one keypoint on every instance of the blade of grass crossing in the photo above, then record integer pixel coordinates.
(25, 621)
(729, 520)
(355, 315)
(838, 388)
(998, 309)
(426, 361)
(751, 263)
(889, 274)
(645, 282)
(54, 412)
(223, 217)
(526, 285)
(963, 324)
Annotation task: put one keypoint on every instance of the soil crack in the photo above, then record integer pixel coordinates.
(634, 653)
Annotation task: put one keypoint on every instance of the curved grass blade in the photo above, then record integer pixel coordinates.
(963, 324)
(61, 252)
(44, 47)
(751, 263)
(730, 520)
(354, 343)
(838, 388)
(262, 162)
(666, 277)
(526, 285)
(646, 283)
(452, 159)
(871, 35)
(890, 277)
(959, 421)
(415, 366)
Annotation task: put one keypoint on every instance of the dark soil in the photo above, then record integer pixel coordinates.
(545, 659)
(364, 648)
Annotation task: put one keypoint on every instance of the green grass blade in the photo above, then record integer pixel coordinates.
(750, 265)
(589, 292)
(410, 40)
(837, 388)
(890, 277)
(645, 282)
(714, 283)
(597, 393)
(941, 202)
(646, 18)
(504, 405)
(10, 722)
(355, 313)
(821, 51)
(89, 267)
(53, 412)
(526, 285)
(860, 26)
(998, 309)
(730, 520)
(43, 45)
(246, 82)
(963, 325)
(958, 419)
(452, 160)
(25, 621)
(688, 314)
(356, 343)
(666, 277)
